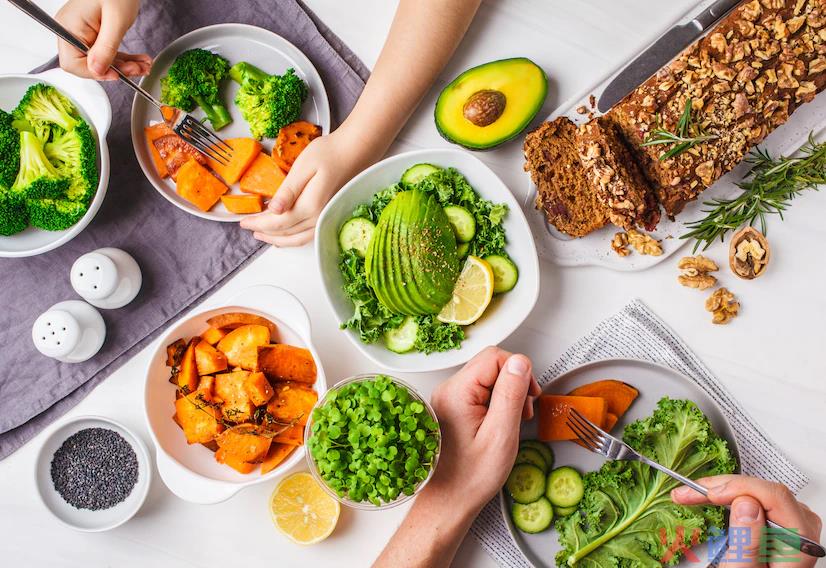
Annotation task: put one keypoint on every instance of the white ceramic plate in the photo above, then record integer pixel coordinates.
(190, 471)
(653, 382)
(595, 248)
(234, 42)
(507, 311)
(93, 104)
(85, 519)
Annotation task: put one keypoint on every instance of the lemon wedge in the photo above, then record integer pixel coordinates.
(471, 294)
(302, 510)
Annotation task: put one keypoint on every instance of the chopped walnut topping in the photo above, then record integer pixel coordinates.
(644, 244)
(741, 105)
(620, 244)
(785, 79)
(752, 11)
(705, 172)
(718, 42)
(817, 65)
(581, 109)
(723, 306)
(723, 71)
(805, 89)
(795, 24)
(694, 272)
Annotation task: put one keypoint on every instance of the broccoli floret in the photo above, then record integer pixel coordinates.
(44, 107)
(54, 214)
(194, 80)
(74, 156)
(267, 102)
(9, 150)
(13, 214)
(37, 177)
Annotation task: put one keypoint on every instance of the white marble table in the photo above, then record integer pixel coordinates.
(771, 357)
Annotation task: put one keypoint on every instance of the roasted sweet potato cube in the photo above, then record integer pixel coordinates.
(241, 345)
(236, 405)
(175, 352)
(235, 320)
(287, 363)
(245, 442)
(207, 382)
(233, 461)
(292, 401)
(188, 373)
(258, 388)
(277, 454)
(292, 436)
(213, 335)
(198, 416)
(198, 185)
(209, 359)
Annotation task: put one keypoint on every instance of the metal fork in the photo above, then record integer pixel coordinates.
(601, 442)
(183, 124)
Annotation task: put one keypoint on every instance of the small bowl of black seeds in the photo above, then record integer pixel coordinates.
(93, 473)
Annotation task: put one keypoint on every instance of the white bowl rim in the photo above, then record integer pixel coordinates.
(144, 466)
(514, 209)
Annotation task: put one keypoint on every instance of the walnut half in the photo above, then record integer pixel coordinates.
(723, 306)
(644, 244)
(694, 272)
(749, 253)
(620, 244)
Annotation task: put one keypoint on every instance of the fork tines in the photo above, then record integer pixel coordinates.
(588, 433)
(204, 140)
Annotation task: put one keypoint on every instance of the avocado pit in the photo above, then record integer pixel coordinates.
(484, 107)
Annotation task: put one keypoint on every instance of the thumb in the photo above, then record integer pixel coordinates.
(745, 536)
(509, 394)
(113, 26)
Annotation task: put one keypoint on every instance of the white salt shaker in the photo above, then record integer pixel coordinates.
(107, 278)
(71, 331)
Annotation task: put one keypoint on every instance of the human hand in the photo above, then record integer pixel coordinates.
(752, 501)
(479, 410)
(102, 25)
(324, 166)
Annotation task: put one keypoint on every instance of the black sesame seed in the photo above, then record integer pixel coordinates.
(94, 469)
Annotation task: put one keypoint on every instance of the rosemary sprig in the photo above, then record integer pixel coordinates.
(768, 189)
(686, 135)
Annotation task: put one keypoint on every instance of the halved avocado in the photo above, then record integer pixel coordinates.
(490, 104)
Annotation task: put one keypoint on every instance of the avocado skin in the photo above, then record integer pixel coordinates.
(449, 127)
(414, 264)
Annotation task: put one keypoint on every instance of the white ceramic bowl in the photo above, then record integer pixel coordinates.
(190, 471)
(93, 104)
(507, 311)
(84, 519)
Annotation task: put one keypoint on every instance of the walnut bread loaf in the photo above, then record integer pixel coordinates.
(743, 80)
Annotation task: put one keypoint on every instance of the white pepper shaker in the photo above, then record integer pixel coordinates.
(107, 278)
(70, 331)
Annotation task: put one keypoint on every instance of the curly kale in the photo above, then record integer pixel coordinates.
(268, 102)
(194, 79)
(370, 318)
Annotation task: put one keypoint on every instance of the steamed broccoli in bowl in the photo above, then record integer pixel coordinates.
(42, 109)
(194, 80)
(268, 102)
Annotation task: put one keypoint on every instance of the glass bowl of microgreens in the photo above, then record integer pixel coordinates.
(373, 442)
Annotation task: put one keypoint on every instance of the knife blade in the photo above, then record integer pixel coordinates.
(661, 52)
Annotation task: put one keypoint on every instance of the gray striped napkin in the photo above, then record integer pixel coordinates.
(636, 333)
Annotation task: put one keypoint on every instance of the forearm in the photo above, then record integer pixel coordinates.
(430, 533)
(423, 36)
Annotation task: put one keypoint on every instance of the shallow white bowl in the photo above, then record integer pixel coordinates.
(84, 519)
(94, 107)
(507, 311)
(190, 471)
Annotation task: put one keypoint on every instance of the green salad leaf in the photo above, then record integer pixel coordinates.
(626, 517)
(434, 336)
(370, 318)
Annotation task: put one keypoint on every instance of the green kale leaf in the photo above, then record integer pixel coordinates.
(434, 336)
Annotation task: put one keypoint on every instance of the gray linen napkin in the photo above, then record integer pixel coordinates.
(183, 257)
(636, 333)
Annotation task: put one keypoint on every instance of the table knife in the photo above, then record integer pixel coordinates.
(661, 52)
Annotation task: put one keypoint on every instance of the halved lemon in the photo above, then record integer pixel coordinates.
(471, 295)
(302, 510)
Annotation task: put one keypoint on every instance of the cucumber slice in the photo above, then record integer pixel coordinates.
(463, 222)
(542, 448)
(565, 487)
(402, 338)
(356, 234)
(565, 511)
(534, 517)
(532, 456)
(463, 249)
(415, 174)
(526, 483)
(505, 273)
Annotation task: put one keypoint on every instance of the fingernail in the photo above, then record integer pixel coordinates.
(746, 511)
(517, 365)
(681, 492)
(97, 67)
